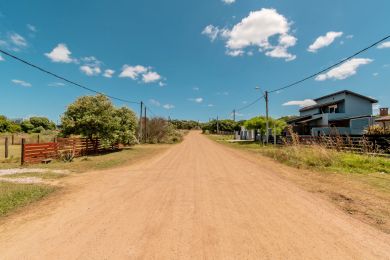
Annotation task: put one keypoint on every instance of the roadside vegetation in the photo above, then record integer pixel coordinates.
(359, 184)
(88, 117)
(14, 195)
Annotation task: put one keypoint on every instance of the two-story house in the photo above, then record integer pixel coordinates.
(344, 112)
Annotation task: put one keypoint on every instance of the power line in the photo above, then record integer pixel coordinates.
(332, 66)
(151, 111)
(64, 79)
(250, 104)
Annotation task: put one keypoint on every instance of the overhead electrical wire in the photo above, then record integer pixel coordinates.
(330, 67)
(65, 79)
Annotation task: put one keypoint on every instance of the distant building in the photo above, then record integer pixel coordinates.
(344, 112)
(245, 134)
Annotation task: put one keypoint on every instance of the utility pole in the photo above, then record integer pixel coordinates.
(266, 116)
(234, 115)
(217, 125)
(145, 119)
(140, 123)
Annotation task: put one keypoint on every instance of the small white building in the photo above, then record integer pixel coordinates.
(245, 134)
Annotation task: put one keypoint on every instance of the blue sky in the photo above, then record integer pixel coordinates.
(190, 59)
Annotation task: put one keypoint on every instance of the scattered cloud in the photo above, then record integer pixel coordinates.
(151, 77)
(195, 88)
(375, 74)
(384, 45)
(324, 41)
(211, 31)
(132, 71)
(345, 70)
(32, 28)
(224, 93)
(56, 84)
(210, 105)
(14, 42)
(229, 2)
(168, 106)
(21, 83)
(108, 73)
(1, 58)
(146, 74)
(90, 71)
(350, 36)
(196, 100)
(256, 30)
(300, 103)
(60, 53)
(18, 40)
(162, 84)
(154, 102)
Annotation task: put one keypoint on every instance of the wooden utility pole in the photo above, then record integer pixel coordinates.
(266, 116)
(22, 150)
(217, 125)
(145, 119)
(234, 115)
(140, 123)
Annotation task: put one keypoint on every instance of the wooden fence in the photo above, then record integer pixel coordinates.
(36, 153)
(361, 144)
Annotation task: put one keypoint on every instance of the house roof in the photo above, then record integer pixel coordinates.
(349, 118)
(320, 105)
(348, 92)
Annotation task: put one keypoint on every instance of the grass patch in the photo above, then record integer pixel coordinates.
(14, 195)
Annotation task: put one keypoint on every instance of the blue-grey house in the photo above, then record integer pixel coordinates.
(344, 112)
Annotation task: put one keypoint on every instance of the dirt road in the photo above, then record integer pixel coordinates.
(198, 200)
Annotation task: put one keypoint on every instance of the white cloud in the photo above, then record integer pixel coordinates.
(162, 84)
(301, 103)
(90, 71)
(256, 29)
(229, 2)
(21, 83)
(324, 41)
(350, 36)
(375, 74)
(384, 45)
(210, 105)
(345, 70)
(56, 84)
(234, 53)
(135, 72)
(60, 53)
(108, 73)
(154, 102)
(211, 31)
(196, 100)
(1, 58)
(150, 77)
(195, 88)
(168, 106)
(32, 28)
(18, 40)
(132, 71)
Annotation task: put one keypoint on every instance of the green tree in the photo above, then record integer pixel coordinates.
(260, 123)
(226, 125)
(96, 117)
(4, 124)
(26, 126)
(43, 122)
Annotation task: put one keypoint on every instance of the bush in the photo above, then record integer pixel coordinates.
(160, 130)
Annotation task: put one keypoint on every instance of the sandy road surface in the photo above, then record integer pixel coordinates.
(198, 200)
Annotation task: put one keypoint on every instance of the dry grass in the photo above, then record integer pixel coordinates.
(357, 184)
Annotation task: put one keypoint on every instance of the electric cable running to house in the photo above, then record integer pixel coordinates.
(250, 104)
(65, 79)
(332, 66)
(147, 108)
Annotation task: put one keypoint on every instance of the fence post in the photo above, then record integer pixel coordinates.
(22, 155)
(12, 140)
(6, 147)
(38, 138)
